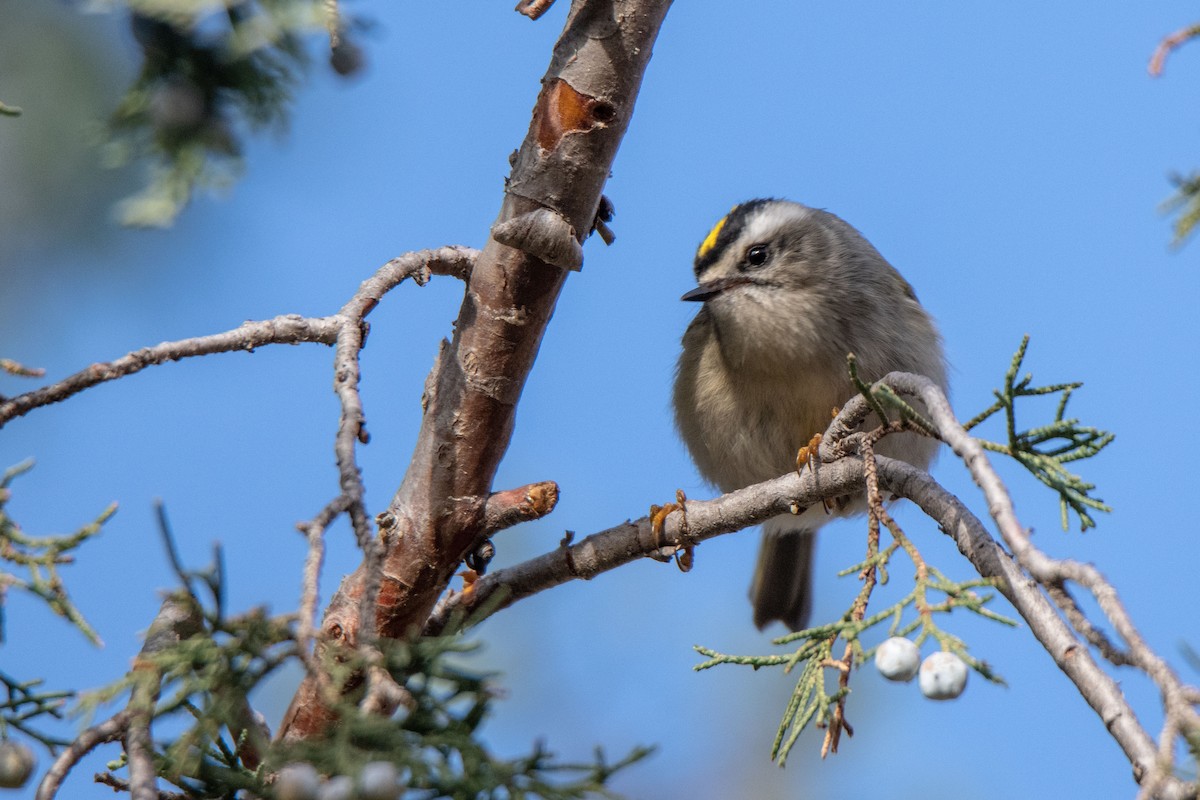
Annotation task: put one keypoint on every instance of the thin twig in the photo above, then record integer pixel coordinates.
(286, 329)
(1062, 598)
(314, 532)
(108, 731)
(1168, 45)
(118, 785)
(333, 23)
(419, 265)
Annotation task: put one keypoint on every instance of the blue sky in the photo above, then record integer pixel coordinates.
(1009, 160)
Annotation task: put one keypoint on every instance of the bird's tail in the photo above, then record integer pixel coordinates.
(782, 585)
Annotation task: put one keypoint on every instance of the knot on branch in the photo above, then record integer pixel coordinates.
(544, 234)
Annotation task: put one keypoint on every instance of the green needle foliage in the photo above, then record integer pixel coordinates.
(1046, 449)
(822, 686)
(434, 740)
(40, 557)
(24, 702)
(813, 700)
(198, 669)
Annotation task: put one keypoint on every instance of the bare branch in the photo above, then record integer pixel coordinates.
(178, 618)
(384, 695)
(118, 785)
(314, 532)
(1159, 60)
(452, 260)
(15, 368)
(287, 329)
(1152, 762)
(139, 753)
(1101, 692)
(1062, 598)
(110, 730)
(629, 541)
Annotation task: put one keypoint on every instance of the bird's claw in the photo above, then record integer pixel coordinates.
(684, 554)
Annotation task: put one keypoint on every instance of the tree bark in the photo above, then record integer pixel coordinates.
(439, 512)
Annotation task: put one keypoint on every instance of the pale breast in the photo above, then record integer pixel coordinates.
(744, 429)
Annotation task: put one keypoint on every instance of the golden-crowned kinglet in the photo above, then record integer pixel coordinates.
(789, 291)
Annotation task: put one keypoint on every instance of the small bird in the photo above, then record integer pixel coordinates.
(789, 292)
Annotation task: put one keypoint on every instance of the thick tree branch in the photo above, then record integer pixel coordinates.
(439, 511)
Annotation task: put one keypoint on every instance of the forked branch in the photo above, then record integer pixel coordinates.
(440, 511)
(1029, 579)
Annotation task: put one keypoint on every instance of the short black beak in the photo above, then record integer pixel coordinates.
(702, 293)
(713, 288)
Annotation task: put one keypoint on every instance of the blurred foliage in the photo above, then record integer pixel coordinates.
(1185, 205)
(1186, 201)
(211, 72)
(63, 69)
(434, 741)
(24, 702)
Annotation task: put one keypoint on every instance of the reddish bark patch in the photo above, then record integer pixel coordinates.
(562, 110)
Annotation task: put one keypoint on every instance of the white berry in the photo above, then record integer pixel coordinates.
(339, 787)
(16, 765)
(943, 676)
(897, 659)
(297, 782)
(379, 780)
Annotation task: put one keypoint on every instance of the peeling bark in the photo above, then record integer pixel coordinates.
(439, 512)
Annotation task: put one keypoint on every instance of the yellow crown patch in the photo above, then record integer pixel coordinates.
(710, 241)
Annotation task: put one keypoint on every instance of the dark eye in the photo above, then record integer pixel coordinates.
(757, 255)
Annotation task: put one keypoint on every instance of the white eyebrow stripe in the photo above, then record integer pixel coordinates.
(767, 221)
